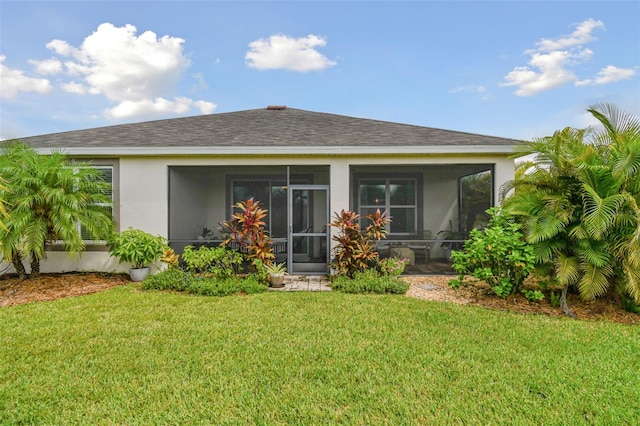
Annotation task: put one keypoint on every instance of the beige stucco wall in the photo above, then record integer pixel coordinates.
(143, 192)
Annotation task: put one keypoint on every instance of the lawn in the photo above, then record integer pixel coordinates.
(129, 357)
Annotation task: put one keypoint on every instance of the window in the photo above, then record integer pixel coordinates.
(397, 196)
(106, 173)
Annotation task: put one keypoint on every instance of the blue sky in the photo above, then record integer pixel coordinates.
(504, 68)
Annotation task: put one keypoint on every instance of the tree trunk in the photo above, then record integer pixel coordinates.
(16, 260)
(35, 266)
(563, 303)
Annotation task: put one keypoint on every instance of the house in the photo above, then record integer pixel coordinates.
(180, 178)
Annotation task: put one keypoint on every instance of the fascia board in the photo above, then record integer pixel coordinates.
(125, 151)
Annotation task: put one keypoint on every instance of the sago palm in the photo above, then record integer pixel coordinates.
(49, 197)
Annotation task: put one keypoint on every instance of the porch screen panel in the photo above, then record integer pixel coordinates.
(476, 196)
(257, 190)
(403, 220)
(272, 195)
(278, 210)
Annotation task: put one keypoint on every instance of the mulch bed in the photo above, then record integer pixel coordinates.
(479, 294)
(14, 291)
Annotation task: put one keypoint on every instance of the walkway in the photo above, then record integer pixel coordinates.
(304, 283)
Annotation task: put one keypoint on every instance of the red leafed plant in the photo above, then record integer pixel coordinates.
(355, 251)
(246, 228)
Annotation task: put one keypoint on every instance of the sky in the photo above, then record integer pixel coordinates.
(513, 69)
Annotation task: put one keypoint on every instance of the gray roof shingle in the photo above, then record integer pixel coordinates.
(264, 127)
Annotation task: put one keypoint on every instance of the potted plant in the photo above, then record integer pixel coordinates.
(205, 234)
(138, 248)
(276, 272)
(452, 240)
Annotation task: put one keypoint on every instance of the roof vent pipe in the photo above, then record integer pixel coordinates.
(276, 107)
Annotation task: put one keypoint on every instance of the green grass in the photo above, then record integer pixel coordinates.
(131, 357)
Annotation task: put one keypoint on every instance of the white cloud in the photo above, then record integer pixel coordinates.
(580, 36)
(611, 74)
(288, 53)
(75, 88)
(200, 82)
(552, 72)
(479, 90)
(137, 73)
(551, 64)
(60, 47)
(205, 107)
(124, 67)
(147, 108)
(13, 81)
(47, 66)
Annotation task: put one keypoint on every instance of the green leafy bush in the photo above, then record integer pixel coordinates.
(170, 279)
(219, 261)
(260, 271)
(533, 295)
(137, 247)
(498, 255)
(178, 280)
(369, 281)
(629, 305)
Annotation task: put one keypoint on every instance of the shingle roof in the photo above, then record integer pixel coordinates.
(265, 127)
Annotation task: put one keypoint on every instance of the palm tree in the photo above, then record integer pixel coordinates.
(579, 204)
(48, 198)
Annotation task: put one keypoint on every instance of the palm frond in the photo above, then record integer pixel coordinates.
(594, 281)
(595, 253)
(632, 280)
(567, 269)
(600, 213)
(614, 120)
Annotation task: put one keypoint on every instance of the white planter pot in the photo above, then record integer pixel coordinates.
(276, 280)
(138, 274)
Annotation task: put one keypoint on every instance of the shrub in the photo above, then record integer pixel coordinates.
(533, 295)
(170, 258)
(246, 228)
(260, 272)
(498, 255)
(178, 280)
(137, 247)
(171, 279)
(219, 261)
(369, 281)
(355, 250)
(391, 266)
